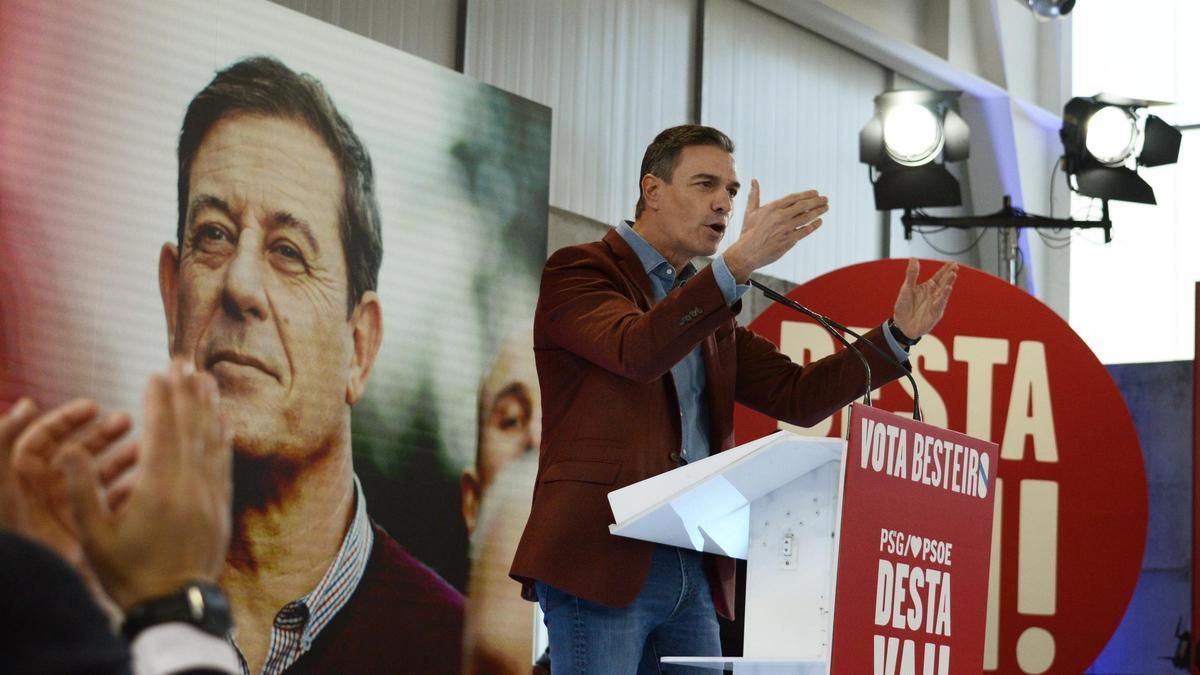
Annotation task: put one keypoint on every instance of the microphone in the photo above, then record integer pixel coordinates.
(833, 327)
(827, 325)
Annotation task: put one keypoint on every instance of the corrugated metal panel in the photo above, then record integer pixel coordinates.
(794, 103)
(615, 72)
(425, 28)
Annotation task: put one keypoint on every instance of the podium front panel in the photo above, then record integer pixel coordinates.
(915, 551)
(789, 573)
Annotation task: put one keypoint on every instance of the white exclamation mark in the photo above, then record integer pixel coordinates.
(1037, 571)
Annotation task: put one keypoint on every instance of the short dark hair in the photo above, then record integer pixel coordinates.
(264, 86)
(662, 156)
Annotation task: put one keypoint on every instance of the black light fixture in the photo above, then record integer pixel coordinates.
(910, 132)
(1050, 9)
(1105, 138)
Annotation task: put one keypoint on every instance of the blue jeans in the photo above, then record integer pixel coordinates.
(673, 615)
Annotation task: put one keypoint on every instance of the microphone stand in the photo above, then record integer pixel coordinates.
(833, 327)
(826, 324)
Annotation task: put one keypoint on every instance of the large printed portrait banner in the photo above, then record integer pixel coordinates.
(338, 231)
(1070, 493)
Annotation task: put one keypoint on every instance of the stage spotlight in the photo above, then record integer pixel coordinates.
(911, 134)
(903, 142)
(1050, 9)
(1110, 134)
(1105, 138)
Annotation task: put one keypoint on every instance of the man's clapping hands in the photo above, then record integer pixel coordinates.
(68, 482)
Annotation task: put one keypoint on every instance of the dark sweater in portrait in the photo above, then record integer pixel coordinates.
(402, 618)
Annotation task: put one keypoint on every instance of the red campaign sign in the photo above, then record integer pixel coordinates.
(916, 533)
(1071, 483)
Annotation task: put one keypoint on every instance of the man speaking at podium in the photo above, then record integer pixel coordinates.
(640, 361)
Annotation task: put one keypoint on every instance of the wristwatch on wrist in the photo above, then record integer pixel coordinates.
(900, 336)
(198, 603)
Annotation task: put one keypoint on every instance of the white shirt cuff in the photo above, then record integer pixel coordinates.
(172, 647)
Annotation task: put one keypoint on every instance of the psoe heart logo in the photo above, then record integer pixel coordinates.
(1070, 488)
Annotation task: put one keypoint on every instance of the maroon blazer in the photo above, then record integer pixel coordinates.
(610, 416)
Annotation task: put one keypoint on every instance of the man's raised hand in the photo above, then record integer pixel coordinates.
(919, 307)
(72, 427)
(175, 525)
(14, 513)
(771, 230)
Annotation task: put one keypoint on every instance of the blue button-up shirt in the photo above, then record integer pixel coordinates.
(688, 374)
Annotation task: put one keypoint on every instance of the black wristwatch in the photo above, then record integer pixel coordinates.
(900, 336)
(199, 603)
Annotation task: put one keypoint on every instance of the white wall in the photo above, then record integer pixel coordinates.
(426, 28)
(1148, 271)
(1009, 67)
(792, 85)
(794, 102)
(615, 73)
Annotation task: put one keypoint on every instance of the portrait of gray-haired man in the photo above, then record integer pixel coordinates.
(270, 286)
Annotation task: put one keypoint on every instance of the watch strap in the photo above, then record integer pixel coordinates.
(900, 336)
(198, 603)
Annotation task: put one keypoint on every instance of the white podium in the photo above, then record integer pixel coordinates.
(775, 503)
